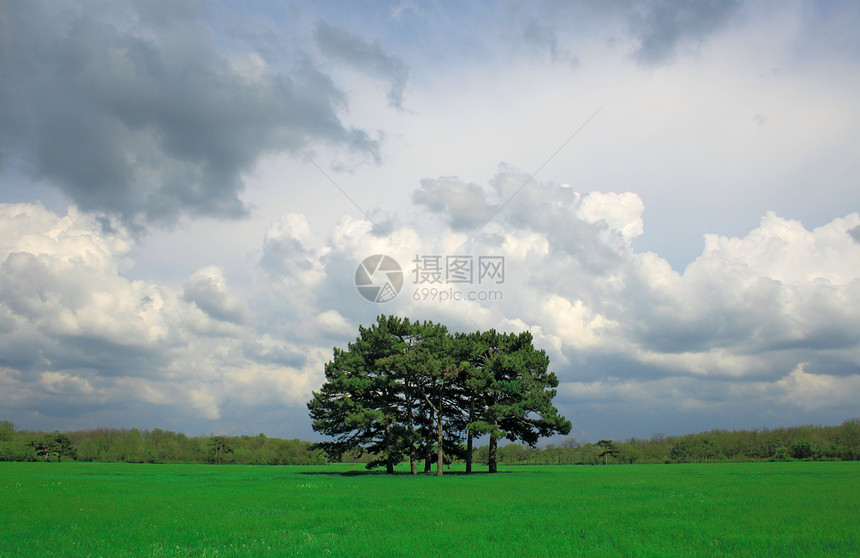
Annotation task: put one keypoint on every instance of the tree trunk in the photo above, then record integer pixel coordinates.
(439, 457)
(389, 459)
(469, 436)
(469, 452)
(428, 449)
(492, 454)
(428, 456)
(413, 465)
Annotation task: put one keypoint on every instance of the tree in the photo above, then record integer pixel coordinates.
(471, 352)
(423, 370)
(372, 396)
(7, 431)
(220, 447)
(12, 449)
(55, 443)
(801, 449)
(509, 391)
(609, 450)
(128, 446)
(438, 376)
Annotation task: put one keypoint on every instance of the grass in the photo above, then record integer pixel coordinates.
(746, 509)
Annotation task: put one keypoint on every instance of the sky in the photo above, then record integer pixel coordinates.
(665, 194)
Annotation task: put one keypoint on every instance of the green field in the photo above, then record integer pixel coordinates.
(745, 509)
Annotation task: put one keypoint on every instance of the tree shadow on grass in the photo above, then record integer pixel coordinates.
(400, 473)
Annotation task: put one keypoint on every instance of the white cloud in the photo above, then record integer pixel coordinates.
(575, 323)
(144, 389)
(815, 391)
(741, 314)
(78, 327)
(205, 403)
(704, 340)
(207, 289)
(61, 274)
(621, 212)
(334, 324)
(64, 383)
(783, 250)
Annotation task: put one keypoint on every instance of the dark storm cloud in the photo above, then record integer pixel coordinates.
(133, 109)
(103, 356)
(340, 44)
(662, 25)
(34, 353)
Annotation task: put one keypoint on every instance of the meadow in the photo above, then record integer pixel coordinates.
(725, 509)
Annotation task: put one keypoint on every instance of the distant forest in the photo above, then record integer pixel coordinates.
(163, 446)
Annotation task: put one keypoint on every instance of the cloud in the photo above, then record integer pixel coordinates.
(655, 31)
(207, 289)
(402, 8)
(465, 205)
(290, 249)
(134, 109)
(63, 383)
(341, 44)
(592, 229)
(60, 274)
(662, 26)
(540, 38)
(815, 391)
(624, 331)
(205, 403)
(747, 308)
(80, 338)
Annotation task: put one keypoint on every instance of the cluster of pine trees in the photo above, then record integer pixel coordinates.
(407, 390)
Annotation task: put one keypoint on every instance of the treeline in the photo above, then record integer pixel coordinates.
(163, 446)
(152, 446)
(779, 444)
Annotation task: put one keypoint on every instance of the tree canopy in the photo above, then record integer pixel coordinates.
(55, 443)
(407, 390)
(609, 450)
